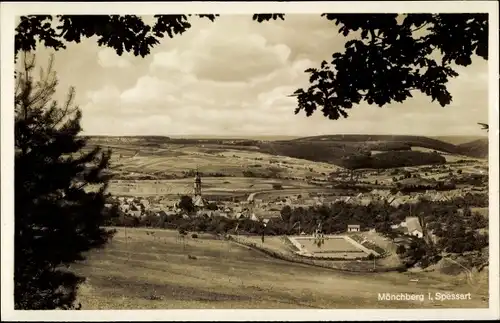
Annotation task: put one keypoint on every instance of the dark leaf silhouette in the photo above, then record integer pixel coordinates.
(484, 125)
(389, 58)
(260, 17)
(123, 33)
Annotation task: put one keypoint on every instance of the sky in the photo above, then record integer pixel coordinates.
(232, 77)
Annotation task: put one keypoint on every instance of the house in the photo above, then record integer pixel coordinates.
(207, 213)
(365, 200)
(144, 203)
(135, 213)
(250, 198)
(399, 201)
(254, 218)
(161, 213)
(155, 209)
(124, 207)
(413, 200)
(238, 215)
(237, 209)
(353, 228)
(198, 201)
(413, 226)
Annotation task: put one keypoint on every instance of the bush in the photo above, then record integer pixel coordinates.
(186, 204)
(212, 206)
(249, 173)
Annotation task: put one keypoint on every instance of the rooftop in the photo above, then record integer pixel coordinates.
(412, 223)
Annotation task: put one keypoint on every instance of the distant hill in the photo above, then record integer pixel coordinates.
(256, 137)
(477, 148)
(352, 155)
(350, 151)
(418, 141)
(458, 140)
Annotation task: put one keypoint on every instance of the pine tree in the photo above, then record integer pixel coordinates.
(59, 193)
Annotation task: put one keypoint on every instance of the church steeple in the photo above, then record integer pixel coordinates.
(197, 184)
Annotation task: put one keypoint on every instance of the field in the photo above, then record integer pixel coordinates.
(154, 272)
(164, 158)
(162, 166)
(211, 186)
(172, 160)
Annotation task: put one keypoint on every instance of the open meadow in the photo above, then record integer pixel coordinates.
(173, 160)
(159, 271)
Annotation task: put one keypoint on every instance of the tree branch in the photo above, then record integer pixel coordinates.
(418, 28)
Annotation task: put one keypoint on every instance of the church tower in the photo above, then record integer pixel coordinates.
(197, 199)
(197, 184)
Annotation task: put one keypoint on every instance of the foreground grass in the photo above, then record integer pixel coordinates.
(148, 271)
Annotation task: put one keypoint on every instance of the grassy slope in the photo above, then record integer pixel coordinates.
(175, 158)
(234, 277)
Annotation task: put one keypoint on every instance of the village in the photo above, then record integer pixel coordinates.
(269, 206)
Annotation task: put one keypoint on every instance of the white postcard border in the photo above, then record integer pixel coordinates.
(12, 9)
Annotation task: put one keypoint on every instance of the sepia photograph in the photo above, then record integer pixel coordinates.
(246, 157)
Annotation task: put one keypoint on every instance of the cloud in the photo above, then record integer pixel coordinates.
(233, 77)
(149, 90)
(107, 57)
(219, 52)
